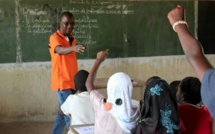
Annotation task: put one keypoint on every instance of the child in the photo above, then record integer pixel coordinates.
(119, 114)
(196, 119)
(195, 56)
(78, 106)
(174, 86)
(159, 113)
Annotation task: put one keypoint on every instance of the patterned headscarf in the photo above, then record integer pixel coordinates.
(124, 109)
(159, 113)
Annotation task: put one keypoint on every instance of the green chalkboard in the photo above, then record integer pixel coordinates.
(7, 31)
(149, 32)
(127, 28)
(38, 21)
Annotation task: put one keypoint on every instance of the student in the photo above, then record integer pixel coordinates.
(196, 119)
(194, 54)
(174, 86)
(78, 106)
(119, 114)
(147, 82)
(159, 113)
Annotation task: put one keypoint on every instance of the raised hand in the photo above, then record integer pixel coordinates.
(101, 56)
(176, 14)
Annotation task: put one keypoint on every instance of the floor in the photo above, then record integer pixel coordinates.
(26, 127)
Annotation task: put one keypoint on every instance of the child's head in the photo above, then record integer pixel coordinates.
(119, 102)
(189, 90)
(119, 91)
(159, 106)
(151, 79)
(174, 86)
(80, 80)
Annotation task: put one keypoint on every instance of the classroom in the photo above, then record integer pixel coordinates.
(137, 33)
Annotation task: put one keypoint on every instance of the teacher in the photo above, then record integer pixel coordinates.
(63, 48)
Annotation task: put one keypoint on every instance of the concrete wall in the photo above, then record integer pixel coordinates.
(25, 92)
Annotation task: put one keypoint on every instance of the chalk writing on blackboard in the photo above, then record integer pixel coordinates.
(35, 21)
(100, 10)
(1, 15)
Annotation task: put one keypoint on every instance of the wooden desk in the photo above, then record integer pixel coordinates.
(101, 83)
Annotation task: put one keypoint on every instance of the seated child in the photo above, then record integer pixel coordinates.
(174, 86)
(159, 113)
(119, 113)
(78, 106)
(196, 119)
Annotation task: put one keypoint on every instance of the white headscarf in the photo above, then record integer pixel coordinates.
(119, 86)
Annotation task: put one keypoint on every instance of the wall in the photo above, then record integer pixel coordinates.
(25, 92)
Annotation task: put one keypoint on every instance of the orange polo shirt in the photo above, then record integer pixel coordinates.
(64, 67)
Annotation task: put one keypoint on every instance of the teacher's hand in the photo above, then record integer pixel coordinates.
(80, 49)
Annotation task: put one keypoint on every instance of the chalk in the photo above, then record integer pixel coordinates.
(125, 38)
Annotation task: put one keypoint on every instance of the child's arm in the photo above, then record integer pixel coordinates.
(191, 47)
(90, 79)
(60, 112)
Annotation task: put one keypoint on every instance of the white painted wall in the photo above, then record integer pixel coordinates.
(25, 92)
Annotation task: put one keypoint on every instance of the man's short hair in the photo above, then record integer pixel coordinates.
(67, 13)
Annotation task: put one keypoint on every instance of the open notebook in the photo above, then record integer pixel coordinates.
(86, 129)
